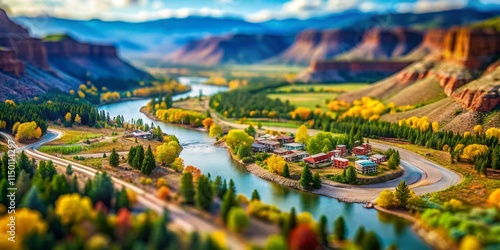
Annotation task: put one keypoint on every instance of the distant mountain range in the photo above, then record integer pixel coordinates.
(152, 41)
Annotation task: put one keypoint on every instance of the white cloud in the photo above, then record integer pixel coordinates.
(303, 6)
(423, 6)
(341, 5)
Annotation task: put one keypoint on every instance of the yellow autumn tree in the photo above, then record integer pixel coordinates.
(207, 122)
(3, 124)
(493, 132)
(78, 119)
(470, 242)
(67, 117)
(478, 129)
(302, 134)
(474, 150)
(301, 113)
(73, 209)
(28, 131)
(10, 102)
(276, 164)
(387, 199)
(27, 221)
(494, 199)
(435, 126)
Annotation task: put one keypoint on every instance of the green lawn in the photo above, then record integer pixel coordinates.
(306, 100)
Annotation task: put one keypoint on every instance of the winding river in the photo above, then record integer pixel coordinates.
(199, 151)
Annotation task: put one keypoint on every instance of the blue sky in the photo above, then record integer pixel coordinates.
(252, 10)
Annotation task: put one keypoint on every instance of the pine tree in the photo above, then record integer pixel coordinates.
(149, 163)
(403, 193)
(228, 202)
(223, 190)
(114, 158)
(323, 230)
(316, 181)
(232, 187)
(360, 234)
(204, 194)
(74, 185)
(131, 156)
(371, 241)
(392, 163)
(305, 177)
(138, 158)
(340, 228)
(286, 171)
(122, 200)
(186, 188)
(217, 185)
(23, 163)
(351, 175)
(255, 195)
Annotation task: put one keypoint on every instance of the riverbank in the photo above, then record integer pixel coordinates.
(152, 117)
(136, 98)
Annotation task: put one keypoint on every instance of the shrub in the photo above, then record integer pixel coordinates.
(238, 220)
(163, 193)
(248, 160)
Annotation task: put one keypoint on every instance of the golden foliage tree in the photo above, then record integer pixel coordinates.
(470, 242)
(276, 164)
(301, 113)
(474, 150)
(196, 172)
(302, 134)
(163, 193)
(67, 117)
(478, 129)
(215, 131)
(78, 119)
(207, 122)
(161, 182)
(387, 199)
(494, 198)
(28, 131)
(27, 221)
(72, 208)
(493, 132)
(167, 152)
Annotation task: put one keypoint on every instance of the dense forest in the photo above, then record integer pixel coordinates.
(49, 107)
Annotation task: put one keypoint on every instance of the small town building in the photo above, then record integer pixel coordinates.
(366, 167)
(342, 148)
(284, 139)
(290, 157)
(317, 159)
(340, 163)
(294, 146)
(270, 145)
(281, 151)
(367, 147)
(378, 158)
(258, 147)
(358, 151)
(141, 134)
(334, 153)
(300, 154)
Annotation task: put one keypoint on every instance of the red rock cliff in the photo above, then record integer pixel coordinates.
(470, 47)
(359, 66)
(9, 62)
(17, 38)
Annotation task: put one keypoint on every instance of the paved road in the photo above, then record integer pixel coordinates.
(422, 175)
(185, 220)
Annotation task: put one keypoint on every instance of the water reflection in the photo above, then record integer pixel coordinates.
(309, 202)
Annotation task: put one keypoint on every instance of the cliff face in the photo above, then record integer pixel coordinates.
(18, 39)
(385, 44)
(314, 45)
(9, 62)
(232, 49)
(471, 48)
(69, 47)
(84, 60)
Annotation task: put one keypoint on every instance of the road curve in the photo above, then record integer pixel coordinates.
(422, 175)
(185, 220)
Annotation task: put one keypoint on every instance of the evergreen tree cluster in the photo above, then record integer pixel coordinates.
(143, 161)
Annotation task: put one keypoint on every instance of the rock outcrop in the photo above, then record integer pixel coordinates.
(312, 45)
(472, 48)
(17, 38)
(9, 62)
(380, 44)
(231, 49)
(452, 81)
(479, 100)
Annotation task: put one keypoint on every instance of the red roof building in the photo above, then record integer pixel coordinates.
(342, 148)
(317, 159)
(340, 163)
(358, 151)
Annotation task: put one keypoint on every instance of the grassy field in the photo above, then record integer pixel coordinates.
(264, 123)
(76, 134)
(190, 104)
(306, 100)
(474, 189)
(347, 87)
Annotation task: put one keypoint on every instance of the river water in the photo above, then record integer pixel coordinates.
(199, 151)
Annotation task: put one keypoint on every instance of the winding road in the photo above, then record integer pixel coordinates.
(188, 222)
(422, 175)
